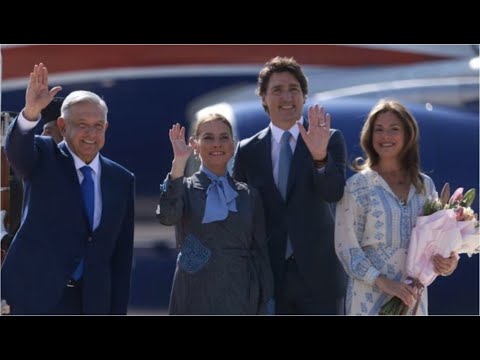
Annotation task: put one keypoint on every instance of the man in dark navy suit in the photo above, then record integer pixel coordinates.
(73, 251)
(299, 168)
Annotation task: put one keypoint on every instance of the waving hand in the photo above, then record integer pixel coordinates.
(181, 151)
(316, 138)
(37, 96)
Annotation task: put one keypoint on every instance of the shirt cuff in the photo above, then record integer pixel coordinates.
(165, 184)
(372, 275)
(321, 165)
(171, 186)
(24, 125)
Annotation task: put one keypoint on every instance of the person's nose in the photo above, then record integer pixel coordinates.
(385, 135)
(286, 95)
(389, 133)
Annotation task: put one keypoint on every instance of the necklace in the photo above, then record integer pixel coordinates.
(394, 178)
(397, 180)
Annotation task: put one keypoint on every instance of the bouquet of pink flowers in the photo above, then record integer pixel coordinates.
(445, 227)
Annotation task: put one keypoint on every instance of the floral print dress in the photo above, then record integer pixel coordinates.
(372, 234)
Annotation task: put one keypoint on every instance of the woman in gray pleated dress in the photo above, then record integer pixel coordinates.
(222, 265)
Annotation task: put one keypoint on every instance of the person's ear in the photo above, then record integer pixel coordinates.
(194, 144)
(61, 125)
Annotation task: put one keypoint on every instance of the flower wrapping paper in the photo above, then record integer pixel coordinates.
(439, 233)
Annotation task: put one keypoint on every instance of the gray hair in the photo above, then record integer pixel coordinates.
(81, 96)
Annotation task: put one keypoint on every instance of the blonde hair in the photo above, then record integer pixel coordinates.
(212, 117)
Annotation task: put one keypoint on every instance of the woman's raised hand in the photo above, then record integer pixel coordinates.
(181, 150)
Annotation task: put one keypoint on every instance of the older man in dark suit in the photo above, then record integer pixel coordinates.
(299, 168)
(73, 251)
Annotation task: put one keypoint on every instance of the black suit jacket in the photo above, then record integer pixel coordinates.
(306, 215)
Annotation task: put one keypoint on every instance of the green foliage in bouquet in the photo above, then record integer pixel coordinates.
(456, 201)
(394, 307)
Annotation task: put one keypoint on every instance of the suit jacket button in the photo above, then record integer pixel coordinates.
(89, 239)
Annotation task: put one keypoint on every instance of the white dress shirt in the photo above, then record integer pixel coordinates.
(276, 137)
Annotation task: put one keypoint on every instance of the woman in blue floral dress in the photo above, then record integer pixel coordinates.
(375, 217)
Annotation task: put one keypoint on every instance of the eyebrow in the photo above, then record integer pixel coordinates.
(84, 121)
(209, 133)
(390, 125)
(289, 85)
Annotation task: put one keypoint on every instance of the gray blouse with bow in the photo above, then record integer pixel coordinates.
(222, 266)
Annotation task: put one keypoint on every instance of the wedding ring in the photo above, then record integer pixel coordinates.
(322, 124)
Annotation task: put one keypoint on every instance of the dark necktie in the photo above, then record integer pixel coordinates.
(88, 192)
(283, 170)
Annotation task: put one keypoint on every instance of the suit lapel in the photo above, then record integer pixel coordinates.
(107, 190)
(201, 182)
(299, 161)
(263, 153)
(69, 166)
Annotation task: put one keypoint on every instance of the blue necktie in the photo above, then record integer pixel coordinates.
(283, 170)
(88, 192)
(220, 198)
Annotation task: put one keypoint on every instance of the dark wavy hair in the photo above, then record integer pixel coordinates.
(410, 154)
(279, 65)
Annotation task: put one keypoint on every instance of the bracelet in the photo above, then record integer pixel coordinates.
(320, 163)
